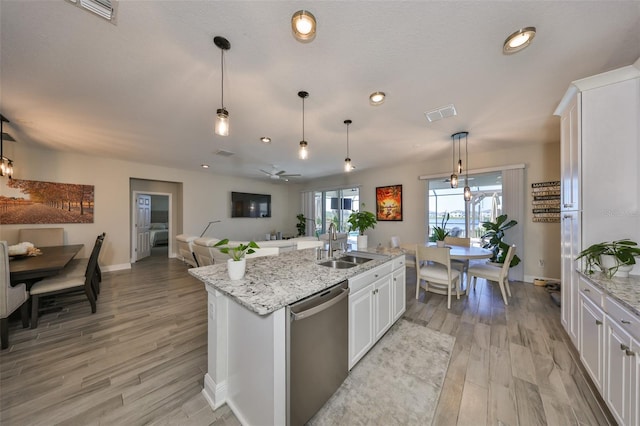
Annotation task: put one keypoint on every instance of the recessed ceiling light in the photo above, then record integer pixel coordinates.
(204, 166)
(377, 98)
(303, 24)
(518, 40)
(265, 139)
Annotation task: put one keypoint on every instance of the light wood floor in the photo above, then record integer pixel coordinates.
(142, 357)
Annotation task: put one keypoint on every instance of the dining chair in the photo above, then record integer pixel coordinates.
(493, 273)
(65, 284)
(11, 297)
(77, 267)
(436, 269)
(461, 265)
(409, 259)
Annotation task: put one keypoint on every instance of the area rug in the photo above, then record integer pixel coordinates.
(397, 383)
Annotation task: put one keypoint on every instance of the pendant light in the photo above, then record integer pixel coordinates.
(303, 152)
(222, 115)
(347, 161)
(6, 164)
(467, 190)
(454, 175)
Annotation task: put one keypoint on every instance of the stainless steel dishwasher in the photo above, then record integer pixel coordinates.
(317, 351)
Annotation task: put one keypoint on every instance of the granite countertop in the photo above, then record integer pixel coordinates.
(272, 282)
(624, 290)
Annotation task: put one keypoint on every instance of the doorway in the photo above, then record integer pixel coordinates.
(151, 225)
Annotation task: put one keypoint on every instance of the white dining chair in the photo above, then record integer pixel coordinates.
(11, 297)
(436, 269)
(409, 259)
(460, 264)
(493, 273)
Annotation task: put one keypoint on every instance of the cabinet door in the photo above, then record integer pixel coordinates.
(617, 391)
(570, 155)
(360, 324)
(399, 292)
(592, 339)
(570, 305)
(634, 396)
(383, 308)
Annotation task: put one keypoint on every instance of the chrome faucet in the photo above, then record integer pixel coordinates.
(333, 236)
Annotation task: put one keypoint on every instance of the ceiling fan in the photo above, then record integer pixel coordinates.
(279, 175)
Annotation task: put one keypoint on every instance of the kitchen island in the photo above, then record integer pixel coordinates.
(247, 347)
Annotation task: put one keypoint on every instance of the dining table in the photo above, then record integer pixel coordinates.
(51, 261)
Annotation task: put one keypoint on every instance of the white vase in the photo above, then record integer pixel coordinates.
(609, 262)
(440, 243)
(362, 241)
(236, 268)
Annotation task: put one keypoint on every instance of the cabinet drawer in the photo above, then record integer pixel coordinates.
(628, 321)
(364, 279)
(591, 291)
(398, 262)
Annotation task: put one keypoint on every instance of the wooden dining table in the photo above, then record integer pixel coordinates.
(30, 269)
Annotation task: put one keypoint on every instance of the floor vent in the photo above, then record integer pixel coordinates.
(223, 153)
(440, 113)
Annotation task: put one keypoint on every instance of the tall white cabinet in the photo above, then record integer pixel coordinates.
(600, 201)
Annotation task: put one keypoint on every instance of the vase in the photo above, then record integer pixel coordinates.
(608, 262)
(362, 241)
(236, 268)
(440, 243)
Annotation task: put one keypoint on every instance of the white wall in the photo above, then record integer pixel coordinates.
(206, 197)
(542, 163)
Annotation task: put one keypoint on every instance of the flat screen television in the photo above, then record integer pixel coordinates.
(250, 205)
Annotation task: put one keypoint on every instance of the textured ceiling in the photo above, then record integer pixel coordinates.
(146, 89)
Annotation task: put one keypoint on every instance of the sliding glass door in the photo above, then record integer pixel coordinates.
(334, 206)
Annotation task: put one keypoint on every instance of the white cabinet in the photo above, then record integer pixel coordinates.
(570, 155)
(374, 306)
(570, 236)
(592, 339)
(634, 395)
(617, 392)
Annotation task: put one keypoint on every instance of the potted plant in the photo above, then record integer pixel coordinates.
(237, 265)
(301, 225)
(615, 258)
(360, 221)
(492, 239)
(439, 233)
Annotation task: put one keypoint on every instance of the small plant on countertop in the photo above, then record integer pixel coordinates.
(361, 220)
(237, 253)
(624, 251)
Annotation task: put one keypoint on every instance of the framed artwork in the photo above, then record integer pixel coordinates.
(389, 203)
(32, 201)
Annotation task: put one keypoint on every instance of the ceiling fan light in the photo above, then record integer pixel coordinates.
(222, 122)
(518, 40)
(303, 152)
(303, 25)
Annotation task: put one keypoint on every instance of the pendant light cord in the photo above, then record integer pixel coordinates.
(222, 79)
(347, 140)
(466, 152)
(303, 119)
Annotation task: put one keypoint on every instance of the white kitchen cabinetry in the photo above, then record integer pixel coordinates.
(600, 186)
(592, 332)
(373, 306)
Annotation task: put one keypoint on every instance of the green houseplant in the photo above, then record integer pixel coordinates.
(237, 264)
(622, 253)
(439, 233)
(360, 221)
(492, 239)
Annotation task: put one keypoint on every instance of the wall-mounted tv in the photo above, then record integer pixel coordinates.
(250, 205)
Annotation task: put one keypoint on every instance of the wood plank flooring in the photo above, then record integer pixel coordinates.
(142, 357)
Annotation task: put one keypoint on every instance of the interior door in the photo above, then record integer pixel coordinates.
(143, 222)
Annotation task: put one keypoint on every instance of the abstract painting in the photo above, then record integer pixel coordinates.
(389, 203)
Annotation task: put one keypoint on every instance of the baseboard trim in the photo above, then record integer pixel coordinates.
(530, 278)
(214, 393)
(118, 267)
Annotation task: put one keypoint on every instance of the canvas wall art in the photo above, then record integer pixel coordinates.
(389, 203)
(36, 202)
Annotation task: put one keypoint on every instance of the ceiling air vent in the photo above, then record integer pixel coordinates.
(103, 8)
(440, 113)
(223, 153)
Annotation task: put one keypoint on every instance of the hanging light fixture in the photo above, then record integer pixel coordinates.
(303, 25)
(6, 164)
(454, 175)
(347, 161)
(303, 152)
(222, 115)
(467, 190)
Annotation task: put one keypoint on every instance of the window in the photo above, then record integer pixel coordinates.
(334, 206)
(465, 219)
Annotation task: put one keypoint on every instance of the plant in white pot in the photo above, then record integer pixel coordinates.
(360, 221)
(439, 233)
(237, 264)
(615, 258)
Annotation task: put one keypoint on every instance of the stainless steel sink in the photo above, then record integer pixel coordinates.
(338, 264)
(356, 259)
